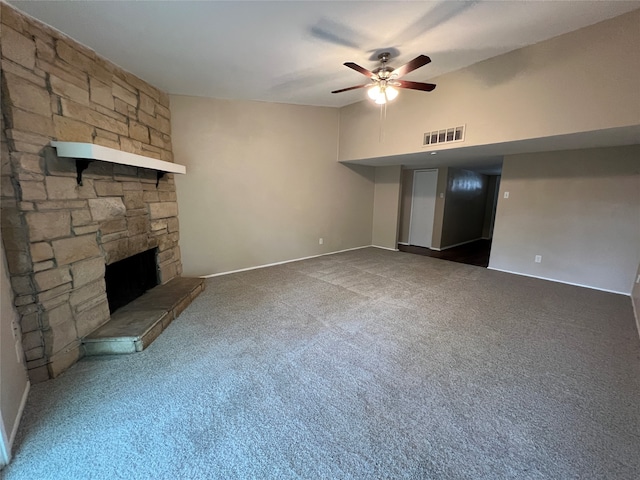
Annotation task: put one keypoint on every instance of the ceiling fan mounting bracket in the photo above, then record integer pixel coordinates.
(384, 57)
(383, 70)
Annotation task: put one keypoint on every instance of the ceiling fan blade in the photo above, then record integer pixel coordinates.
(350, 88)
(419, 61)
(360, 69)
(425, 87)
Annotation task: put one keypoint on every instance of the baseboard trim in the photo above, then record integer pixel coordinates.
(458, 244)
(283, 262)
(419, 246)
(403, 243)
(626, 294)
(7, 443)
(5, 451)
(385, 248)
(636, 314)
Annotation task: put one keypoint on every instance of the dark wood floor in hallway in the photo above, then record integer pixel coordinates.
(474, 253)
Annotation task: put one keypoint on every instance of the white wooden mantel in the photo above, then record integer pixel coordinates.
(90, 151)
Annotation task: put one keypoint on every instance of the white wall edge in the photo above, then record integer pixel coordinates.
(385, 248)
(626, 294)
(7, 443)
(283, 262)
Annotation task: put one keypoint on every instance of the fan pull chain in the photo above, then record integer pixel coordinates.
(383, 117)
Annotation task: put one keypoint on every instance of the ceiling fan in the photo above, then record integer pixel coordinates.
(385, 79)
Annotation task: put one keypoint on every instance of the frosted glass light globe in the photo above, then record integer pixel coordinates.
(391, 93)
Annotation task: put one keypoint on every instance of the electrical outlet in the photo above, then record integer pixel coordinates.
(506, 194)
(538, 259)
(320, 241)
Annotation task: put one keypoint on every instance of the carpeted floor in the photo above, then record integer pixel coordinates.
(364, 364)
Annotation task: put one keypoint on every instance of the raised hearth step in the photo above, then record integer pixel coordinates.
(133, 327)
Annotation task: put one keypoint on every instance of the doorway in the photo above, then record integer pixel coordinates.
(461, 219)
(423, 204)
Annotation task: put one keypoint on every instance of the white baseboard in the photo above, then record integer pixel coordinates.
(627, 294)
(5, 451)
(283, 262)
(458, 244)
(385, 248)
(7, 442)
(636, 313)
(419, 246)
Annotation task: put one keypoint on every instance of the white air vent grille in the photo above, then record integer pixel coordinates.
(446, 135)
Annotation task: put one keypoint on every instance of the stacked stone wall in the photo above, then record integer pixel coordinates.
(59, 235)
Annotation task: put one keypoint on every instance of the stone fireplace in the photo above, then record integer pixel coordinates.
(60, 233)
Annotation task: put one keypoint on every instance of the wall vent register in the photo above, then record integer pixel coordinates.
(446, 135)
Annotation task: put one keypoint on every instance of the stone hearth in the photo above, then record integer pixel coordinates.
(133, 327)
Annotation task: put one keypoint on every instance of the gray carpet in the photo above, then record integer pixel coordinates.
(365, 364)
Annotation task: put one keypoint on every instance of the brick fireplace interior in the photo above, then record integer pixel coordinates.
(60, 235)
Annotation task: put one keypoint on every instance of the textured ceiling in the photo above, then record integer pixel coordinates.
(293, 51)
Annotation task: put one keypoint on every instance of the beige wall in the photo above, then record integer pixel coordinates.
(386, 207)
(263, 185)
(579, 209)
(587, 78)
(493, 183)
(14, 384)
(464, 207)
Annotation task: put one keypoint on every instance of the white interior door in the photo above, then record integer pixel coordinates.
(423, 204)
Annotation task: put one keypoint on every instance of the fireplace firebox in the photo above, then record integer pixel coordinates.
(131, 277)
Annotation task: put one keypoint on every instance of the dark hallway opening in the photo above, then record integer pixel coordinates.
(473, 253)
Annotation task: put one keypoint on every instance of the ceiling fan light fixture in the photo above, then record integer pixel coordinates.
(385, 79)
(382, 93)
(391, 92)
(374, 92)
